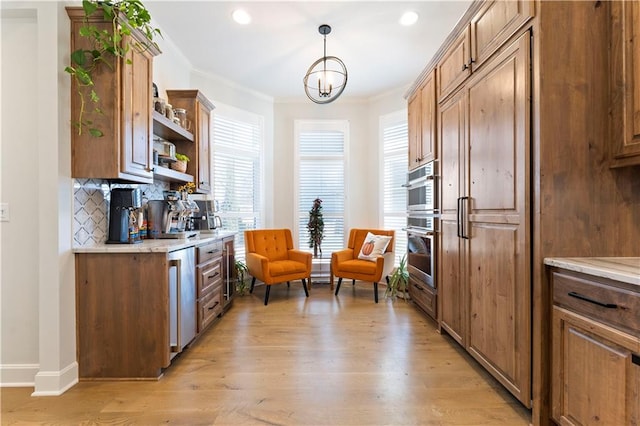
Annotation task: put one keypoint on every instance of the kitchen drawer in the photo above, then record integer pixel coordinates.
(209, 251)
(209, 308)
(612, 305)
(209, 276)
(424, 296)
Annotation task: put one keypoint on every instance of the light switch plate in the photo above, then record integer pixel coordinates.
(4, 212)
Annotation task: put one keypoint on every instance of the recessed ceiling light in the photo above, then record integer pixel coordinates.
(408, 18)
(241, 16)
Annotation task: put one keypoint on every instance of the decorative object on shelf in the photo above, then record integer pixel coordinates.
(398, 280)
(326, 78)
(186, 189)
(126, 16)
(180, 164)
(316, 227)
(241, 279)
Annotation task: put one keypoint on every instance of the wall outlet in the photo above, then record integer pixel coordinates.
(4, 212)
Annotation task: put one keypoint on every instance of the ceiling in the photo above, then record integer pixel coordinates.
(272, 54)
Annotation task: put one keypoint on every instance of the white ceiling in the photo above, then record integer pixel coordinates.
(272, 53)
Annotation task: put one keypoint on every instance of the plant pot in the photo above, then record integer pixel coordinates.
(179, 166)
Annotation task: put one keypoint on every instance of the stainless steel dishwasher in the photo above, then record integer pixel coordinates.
(182, 299)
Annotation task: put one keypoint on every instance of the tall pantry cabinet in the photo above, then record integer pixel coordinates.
(485, 265)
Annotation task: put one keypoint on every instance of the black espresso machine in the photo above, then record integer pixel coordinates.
(123, 202)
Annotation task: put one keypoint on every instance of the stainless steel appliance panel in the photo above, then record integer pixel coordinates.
(182, 299)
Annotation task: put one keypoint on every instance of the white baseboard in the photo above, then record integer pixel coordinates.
(54, 383)
(18, 375)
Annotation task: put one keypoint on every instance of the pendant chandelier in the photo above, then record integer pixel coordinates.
(326, 78)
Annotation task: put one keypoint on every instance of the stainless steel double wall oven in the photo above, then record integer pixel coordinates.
(422, 226)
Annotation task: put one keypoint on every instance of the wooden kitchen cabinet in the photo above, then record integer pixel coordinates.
(210, 283)
(124, 152)
(489, 30)
(595, 351)
(122, 315)
(484, 287)
(199, 110)
(422, 123)
(625, 83)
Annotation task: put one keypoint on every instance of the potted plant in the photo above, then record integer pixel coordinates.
(180, 164)
(315, 226)
(398, 280)
(126, 17)
(241, 278)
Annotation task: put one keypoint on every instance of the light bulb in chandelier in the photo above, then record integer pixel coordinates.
(329, 72)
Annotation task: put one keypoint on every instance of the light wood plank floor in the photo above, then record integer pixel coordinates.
(324, 360)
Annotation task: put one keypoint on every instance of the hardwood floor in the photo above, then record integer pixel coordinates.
(324, 360)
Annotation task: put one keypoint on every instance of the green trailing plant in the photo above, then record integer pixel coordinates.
(125, 16)
(315, 226)
(241, 277)
(398, 280)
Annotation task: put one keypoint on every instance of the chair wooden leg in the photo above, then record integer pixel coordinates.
(375, 292)
(338, 286)
(304, 285)
(266, 295)
(253, 282)
(354, 282)
(288, 284)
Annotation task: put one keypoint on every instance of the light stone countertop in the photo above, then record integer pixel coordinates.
(164, 245)
(623, 269)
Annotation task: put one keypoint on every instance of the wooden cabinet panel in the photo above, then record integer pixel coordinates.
(124, 152)
(499, 269)
(122, 308)
(596, 376)
(199, 112)
(625, 83)
(423, 296)
(454, 68)
(414, 130)
(494, 23)
(452, 288)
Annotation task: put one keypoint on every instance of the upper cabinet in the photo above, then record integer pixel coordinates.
(493, 24)
(198, 109)
(125, 150)
(625, 83)
(422, 123)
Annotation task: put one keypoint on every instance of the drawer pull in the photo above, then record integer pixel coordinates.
(635, 359)
(595, 302)
(214, 275)
(211, 308)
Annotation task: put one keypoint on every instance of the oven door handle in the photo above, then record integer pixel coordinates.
(420, 232)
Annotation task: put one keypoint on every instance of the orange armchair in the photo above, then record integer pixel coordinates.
(346, 264)
(271, 258)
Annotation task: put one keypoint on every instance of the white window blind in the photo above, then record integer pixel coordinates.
(237, 150)
(320, 174)
(394, 141)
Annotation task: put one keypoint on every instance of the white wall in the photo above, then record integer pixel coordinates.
(38, 303)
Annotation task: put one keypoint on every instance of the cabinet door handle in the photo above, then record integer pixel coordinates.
(595, 302)
(463, 216)
(465, 67)
(458, 211)
(214, 275)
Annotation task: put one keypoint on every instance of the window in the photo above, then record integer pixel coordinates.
(394, 159)
(237, 149)
(320, 170)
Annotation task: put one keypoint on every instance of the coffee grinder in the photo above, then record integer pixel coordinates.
(123, 202)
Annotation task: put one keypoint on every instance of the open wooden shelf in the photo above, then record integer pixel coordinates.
(168, 130)
(169, 175)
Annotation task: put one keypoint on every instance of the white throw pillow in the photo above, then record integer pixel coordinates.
(374, 246)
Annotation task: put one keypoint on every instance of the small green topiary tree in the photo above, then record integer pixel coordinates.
(315, 226)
